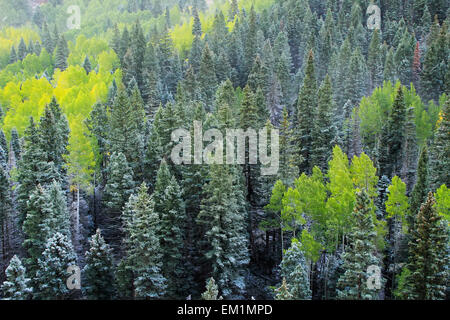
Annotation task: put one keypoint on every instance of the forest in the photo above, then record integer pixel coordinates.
(355, 94)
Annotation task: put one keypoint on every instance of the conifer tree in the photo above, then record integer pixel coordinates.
(170, 208)
(324, 132)
(119, 186)
(440, 149)
(33, 168)
(360, 255)
(15, 144)
(52, 274)
(197, 27)
(421, 187)
(306, 106)
(283, 292)
(5, 209)
(295, 272)
(435, 66)
(62, 53)
(12, 55)
(17, 286)
(374, 61)
(37, 226)
(22, 50)
(87, 65)
(410, 151)
(223, 224)
(207, 77)
(99, 270)
(428, 258)
(212, 291)
(395, 128)
(144, 254)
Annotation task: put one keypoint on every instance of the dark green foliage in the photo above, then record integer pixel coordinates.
(99, 270)
(428, 259)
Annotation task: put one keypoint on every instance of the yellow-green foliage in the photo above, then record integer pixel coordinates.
(375, 108)
(11, 36)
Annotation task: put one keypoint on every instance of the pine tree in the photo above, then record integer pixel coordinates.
(435, 66)
(170, 208)
(47, 40)
(395, 128)
(62, 53)
(52, 274)
(4, 147)
(21, 50)
(223, 226)
(197, 27)
(12, 56)
(119, 186)
(374, 61)
(324, 132)
(306, 106)
(5, 209)
(144, 254)
(17, 285)
(421, 187)
(207, 77)
(15, 144)
(440, 149)
(33, 168)
(283, 292)
(428, 258)
(87, 65)
(295, 272)
(360, 255)
(37, 226)
(212, 291)
(99, 269)
(126, 128)
(410, 151)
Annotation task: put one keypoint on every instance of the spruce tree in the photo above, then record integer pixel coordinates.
(223, 225)
(207, 77)
(99, 270)
(5, 209)
(62, 53)
(421, 187)
(440, 150)
(21, 50)
(324, 132)
(144, 254)
(295, 272)
(119, 186)
(17, 285)
(360, 255)
(212, 291)
(15, 144)
(306, 109)
(428, 258)
(395, 130)
(87, 65)
(52, 274)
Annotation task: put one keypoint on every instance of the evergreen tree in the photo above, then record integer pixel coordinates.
(33, 168)
(360, 255)
(87, 65)
(17, 285)
(395, 131)
(435, 66)
(5, 209)
(212, 291)
(61, 55)
(374, 61)
(295, 272)
(421, 187)
(144, 253)
(170, 208)
(12, 55)
(52, 275)
(99, 270)
(22, 50)
(324, 132)
(440, 149)
(306, 106)
(197, 27)
(410, 151)
(207, 77)
(283, 292)
(15, 144)
(223, 226)
(120, 185)
(428, 258)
